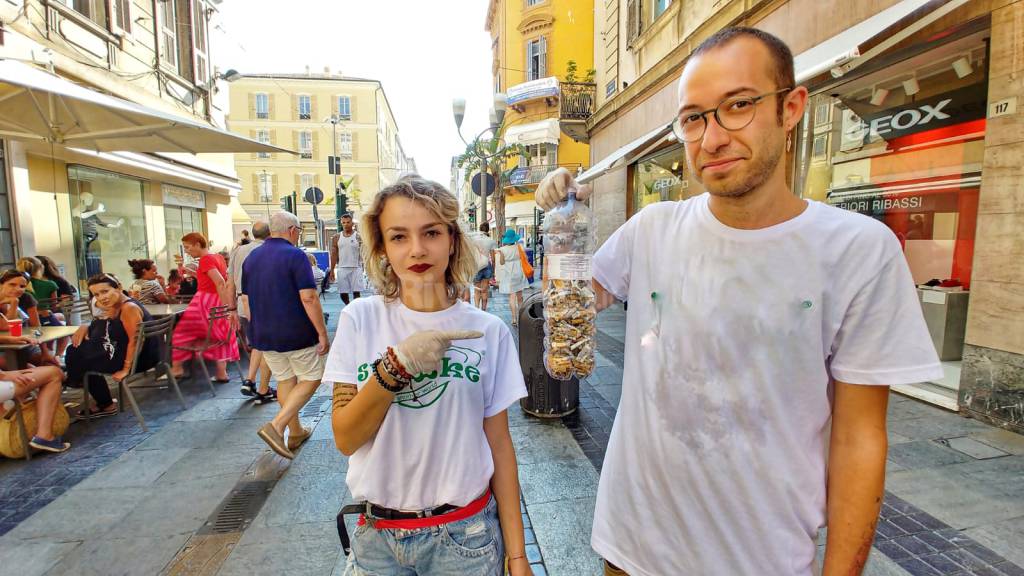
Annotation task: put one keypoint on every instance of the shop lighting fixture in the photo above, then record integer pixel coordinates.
(962, 67)
(911, 86)
(878, 98)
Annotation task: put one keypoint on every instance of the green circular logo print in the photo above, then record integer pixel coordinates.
(428, 387)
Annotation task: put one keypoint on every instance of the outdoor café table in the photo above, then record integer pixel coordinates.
(42, 334)
(161, 310)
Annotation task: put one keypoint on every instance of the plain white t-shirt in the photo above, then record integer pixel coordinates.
(717, 456)
(431, 448)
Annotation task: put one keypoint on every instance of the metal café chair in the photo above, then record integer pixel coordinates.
(210, 341)
(160, 328)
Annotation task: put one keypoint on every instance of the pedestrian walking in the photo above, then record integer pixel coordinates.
(346, 261)
(432, 463)
(511, 277)
(763, 333)
(485, 247)
(212, 290)
(257, 364)
(287, 325)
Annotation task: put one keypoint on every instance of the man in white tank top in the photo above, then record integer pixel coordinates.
(346, 260)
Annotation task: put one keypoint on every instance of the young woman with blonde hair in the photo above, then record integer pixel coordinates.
(432, 463)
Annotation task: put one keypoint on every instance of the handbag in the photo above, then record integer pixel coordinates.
(11, 445)
(527, 268)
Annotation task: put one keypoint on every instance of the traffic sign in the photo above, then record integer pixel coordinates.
(483, 181)
(313, 195)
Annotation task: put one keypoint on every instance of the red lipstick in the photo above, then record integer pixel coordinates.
(421, 268)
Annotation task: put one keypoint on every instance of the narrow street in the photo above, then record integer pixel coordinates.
(201, 494)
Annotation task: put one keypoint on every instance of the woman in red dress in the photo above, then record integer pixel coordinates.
(213, 290)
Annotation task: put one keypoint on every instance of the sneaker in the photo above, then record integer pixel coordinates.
(267, 398)
(57, 445)
(248, 388)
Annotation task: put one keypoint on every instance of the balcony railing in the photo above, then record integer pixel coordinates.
(526, 175)
(577, 100)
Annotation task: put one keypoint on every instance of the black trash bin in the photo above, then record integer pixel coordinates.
(547, 397)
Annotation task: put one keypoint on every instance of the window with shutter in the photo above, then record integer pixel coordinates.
(542, 58)
(634, 19)
(316, 145)
(306, 145)
(122, 17)
(304, 106)
(355, 146)
(266, 187)
(345, 145)
(201, 67)
(263, 137)
(262, 106)
(167, 15)
(345, 107)
(536, 58)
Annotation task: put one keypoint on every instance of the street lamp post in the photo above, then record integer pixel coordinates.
(497, 114)
(334, 120)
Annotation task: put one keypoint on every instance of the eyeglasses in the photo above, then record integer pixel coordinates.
(732, 114)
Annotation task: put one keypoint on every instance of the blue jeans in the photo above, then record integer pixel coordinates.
(471, 546)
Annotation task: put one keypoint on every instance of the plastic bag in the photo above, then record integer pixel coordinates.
(570, 306)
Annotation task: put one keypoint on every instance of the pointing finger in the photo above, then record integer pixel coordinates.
(462, 334)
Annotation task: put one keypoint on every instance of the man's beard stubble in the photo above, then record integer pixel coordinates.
(760, 169)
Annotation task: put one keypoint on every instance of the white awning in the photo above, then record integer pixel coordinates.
(37, 105)
(622, 157)
(847, 50)
(542, 132)
(520, 209)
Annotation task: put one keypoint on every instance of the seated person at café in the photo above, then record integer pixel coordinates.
(47, 381)
(17, 304)
(173, 283)
(107, 344)
(148, 287)
(42, 290)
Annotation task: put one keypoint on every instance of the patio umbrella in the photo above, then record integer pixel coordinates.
(38, 105)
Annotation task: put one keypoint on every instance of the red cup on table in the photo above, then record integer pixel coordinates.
(15, 326)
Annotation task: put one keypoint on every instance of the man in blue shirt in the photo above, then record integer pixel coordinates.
(287, 325)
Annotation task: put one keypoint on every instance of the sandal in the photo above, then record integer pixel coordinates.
(248, 388)
(108, 411)
(268, 397)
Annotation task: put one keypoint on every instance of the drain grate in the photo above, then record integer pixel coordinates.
(239, 509)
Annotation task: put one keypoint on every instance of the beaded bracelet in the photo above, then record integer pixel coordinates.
(385, 378)
(395, 363)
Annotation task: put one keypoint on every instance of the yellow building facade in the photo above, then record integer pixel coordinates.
(317, 116)
(534, 45)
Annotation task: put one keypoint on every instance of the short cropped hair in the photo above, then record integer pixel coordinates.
(195, 238)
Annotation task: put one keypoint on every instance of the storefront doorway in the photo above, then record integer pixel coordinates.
(905, 145)
(108, 220)
(183, 213)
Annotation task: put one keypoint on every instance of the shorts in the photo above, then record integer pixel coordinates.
(304, 364)
(349, 280)
(6, 391)
(50, 320)
(485, 273)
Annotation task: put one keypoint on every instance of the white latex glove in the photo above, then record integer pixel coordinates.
(555, 188)
(422, 352)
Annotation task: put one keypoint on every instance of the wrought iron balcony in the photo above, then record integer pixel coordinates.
(577, 100)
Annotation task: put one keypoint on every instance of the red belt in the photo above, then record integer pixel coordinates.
(413, 523)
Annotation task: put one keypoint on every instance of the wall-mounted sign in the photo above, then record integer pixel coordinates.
(178, 196)
(533, 89)
(1003, 107)
(946, 109)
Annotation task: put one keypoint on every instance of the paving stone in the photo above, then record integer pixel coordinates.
(298, 549)
(555, 444)
(551, 481)
(563, 534)
(228, 409)
(924, 454)
(974, 449)
(79, 514)
(879, 564)
(201, 463)
(202, 434)
(136, 468)
(190, 504)
(538, 570)
(1004, 538)
(942, 564)
(939, 424)
(120, 557)
(298, 499)
(917, 567)
(1002, 439)
(318, 457)
(34, 558)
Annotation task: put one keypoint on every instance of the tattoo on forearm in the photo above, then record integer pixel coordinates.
(861, 557)
(342, 395)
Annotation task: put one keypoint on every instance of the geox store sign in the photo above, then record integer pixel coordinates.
(949, 108)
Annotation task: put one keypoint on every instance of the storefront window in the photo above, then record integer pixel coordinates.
(661, 177)
(7, 256)
(905, 146)
(108, 220)
(183, 213)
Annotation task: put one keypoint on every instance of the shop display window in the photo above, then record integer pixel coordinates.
(108, 220)
(661, 177)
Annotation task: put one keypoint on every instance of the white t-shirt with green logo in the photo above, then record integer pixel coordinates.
(717, 458)
(430, 449)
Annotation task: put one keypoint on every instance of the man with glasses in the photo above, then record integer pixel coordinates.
(763, 333)
(286, 323)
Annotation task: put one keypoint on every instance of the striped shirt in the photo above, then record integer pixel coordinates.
(149, 291)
